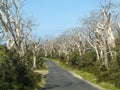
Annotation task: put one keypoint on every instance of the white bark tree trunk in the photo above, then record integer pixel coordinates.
(34, 61)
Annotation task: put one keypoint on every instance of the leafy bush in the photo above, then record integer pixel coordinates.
(15, 74)
(86, 60)
(63, 57)
(40, 63)
(54, 54)
(111, 75)
(74, 58)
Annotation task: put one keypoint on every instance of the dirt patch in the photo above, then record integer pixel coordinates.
(43, 72)
(75, 75)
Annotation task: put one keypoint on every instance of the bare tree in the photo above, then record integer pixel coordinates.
(100, 31)
(13, 25)
(35, 45)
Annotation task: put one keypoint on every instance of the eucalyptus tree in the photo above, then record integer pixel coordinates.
(66, 43)
(13, 25)
(47, 47)
(101, 32)
(34, 46)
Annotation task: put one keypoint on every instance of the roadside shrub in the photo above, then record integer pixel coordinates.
(15, 74)
(111, 75)
(74, 59)
(63, 57)
(40, 63)
(84, 61)
(55, 54)
(89, 58)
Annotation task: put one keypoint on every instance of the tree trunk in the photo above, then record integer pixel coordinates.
(46, 53)
(79, 50)
(98, 57)
(34, 61)
(105, 53)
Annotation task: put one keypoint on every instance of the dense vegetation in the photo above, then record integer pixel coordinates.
(16, 72)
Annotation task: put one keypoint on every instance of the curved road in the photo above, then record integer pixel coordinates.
(59, 79)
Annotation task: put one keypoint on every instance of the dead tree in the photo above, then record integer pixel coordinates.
(35, 46)
(13, 25)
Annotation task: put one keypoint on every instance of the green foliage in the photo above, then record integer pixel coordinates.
(15, 71)
(89, 58)
(111, 75)
(63, 57)
(74, 58)
(86, 60)
(55, 54)
(40, 63)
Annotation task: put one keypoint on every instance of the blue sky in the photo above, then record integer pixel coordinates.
(55, 16)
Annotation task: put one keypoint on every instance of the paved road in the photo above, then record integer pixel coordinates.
(59, 79)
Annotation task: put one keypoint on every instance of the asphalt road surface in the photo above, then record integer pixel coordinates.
(59, 79)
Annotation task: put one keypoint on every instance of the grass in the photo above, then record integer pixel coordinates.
(42, 83)
(87, 76)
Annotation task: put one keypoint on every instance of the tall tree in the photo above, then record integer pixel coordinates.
(13, 24)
